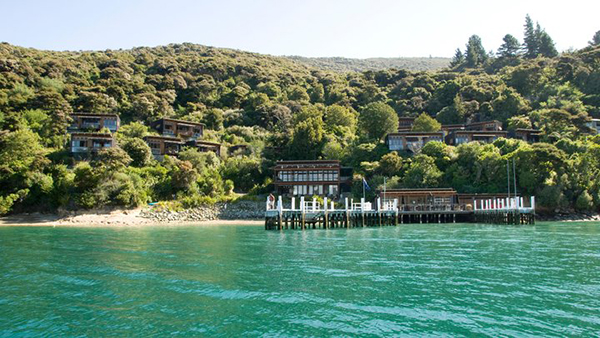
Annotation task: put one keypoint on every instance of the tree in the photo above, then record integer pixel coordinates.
(530, 43)
(423, 173)
(510, 47)
(377, 119)
(546, 45)
(138, 150)
(426, 123)
(476, 54)
(458, 58)
(595, 39)
(519, 122)
(452, 114)
(391, 164)
(337, 115)
(213, 118)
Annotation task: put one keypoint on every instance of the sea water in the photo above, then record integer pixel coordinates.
(419, 279)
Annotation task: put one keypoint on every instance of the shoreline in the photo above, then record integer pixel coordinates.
(134, 219)
(111, 219)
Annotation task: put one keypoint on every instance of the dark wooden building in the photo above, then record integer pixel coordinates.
(411, 140)
(528, 135)
(428, 196)
(458, 137)
(94, 122)
(307, 178)
(185, 130)
(85, 143)
(164, 145)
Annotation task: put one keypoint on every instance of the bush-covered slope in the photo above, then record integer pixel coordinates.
(284, 110)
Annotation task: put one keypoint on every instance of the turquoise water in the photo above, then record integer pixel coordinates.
(423, 280)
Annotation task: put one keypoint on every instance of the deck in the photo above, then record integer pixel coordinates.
(327, 215)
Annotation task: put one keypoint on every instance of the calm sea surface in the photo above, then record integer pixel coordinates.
(423, 280)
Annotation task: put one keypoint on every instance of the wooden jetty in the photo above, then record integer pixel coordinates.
(327, 215)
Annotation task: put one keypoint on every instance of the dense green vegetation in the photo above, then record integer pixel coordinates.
(340, 64)
(283, 110)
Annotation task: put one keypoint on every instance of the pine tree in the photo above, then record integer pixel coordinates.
(476, 54)
(458, 58)
(546, 45)
(530, 43)
(595, 40)
(510, 47)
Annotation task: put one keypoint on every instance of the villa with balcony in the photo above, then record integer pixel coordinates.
(458, 137)
(411, 141)
(185, 130)
(527, 135)
(94, 122)
(164, 145)
(83, 144)
(308, 178)
(205, 146)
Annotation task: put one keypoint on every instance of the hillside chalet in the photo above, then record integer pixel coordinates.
(464, 136)
(307, 178)
(94, 122)
(411, 141)
(83, 144)
(185, 130)
(164, 145)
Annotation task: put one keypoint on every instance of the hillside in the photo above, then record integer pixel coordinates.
(340, 64)
(277, 108)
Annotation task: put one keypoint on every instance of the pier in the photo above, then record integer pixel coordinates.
(314, 214)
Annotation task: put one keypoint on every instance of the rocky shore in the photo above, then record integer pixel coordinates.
(569, 217)
(241, 210)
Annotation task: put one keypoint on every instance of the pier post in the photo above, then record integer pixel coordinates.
(293, 203)
(302, 213)
(280, 212)
(326, 225)
(362, 210)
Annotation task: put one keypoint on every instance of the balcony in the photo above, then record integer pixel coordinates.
(79, 149)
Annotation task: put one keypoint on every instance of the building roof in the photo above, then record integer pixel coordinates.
(479, 132)
(94, 114)
(180, 121)
(200, 143)
(164, 138)
(483, 122)
(308, 162)
(99, 135)
(416, 133)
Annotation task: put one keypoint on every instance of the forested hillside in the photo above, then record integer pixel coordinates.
(284, 110)
(340, 64)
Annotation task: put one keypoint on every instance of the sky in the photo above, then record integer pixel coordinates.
(350, 28)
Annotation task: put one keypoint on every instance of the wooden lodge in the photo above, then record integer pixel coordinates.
(185, 130)
(94, 122)
(492, 125)
(411, 141)
(83, 144)
(405, 123)
(205, 146)
(464, 136)
(413, 199)
(164, 145)
(308, 178)
(527, 135)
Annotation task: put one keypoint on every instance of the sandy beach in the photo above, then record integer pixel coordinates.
(109, 218)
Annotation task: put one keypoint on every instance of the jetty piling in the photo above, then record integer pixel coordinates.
(390, 213)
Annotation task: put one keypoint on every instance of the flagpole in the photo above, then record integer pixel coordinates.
(363, 184)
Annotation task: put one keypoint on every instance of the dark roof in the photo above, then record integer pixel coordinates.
(309, 162)
(484, 132)
(95, 114)
(416, 133)
(484, 122)
(200, 143)
(179, 121)
(164, 138)
(106, 135)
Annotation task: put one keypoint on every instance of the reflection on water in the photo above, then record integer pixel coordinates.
(458, 279)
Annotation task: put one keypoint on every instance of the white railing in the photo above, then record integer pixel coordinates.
(504, 204)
